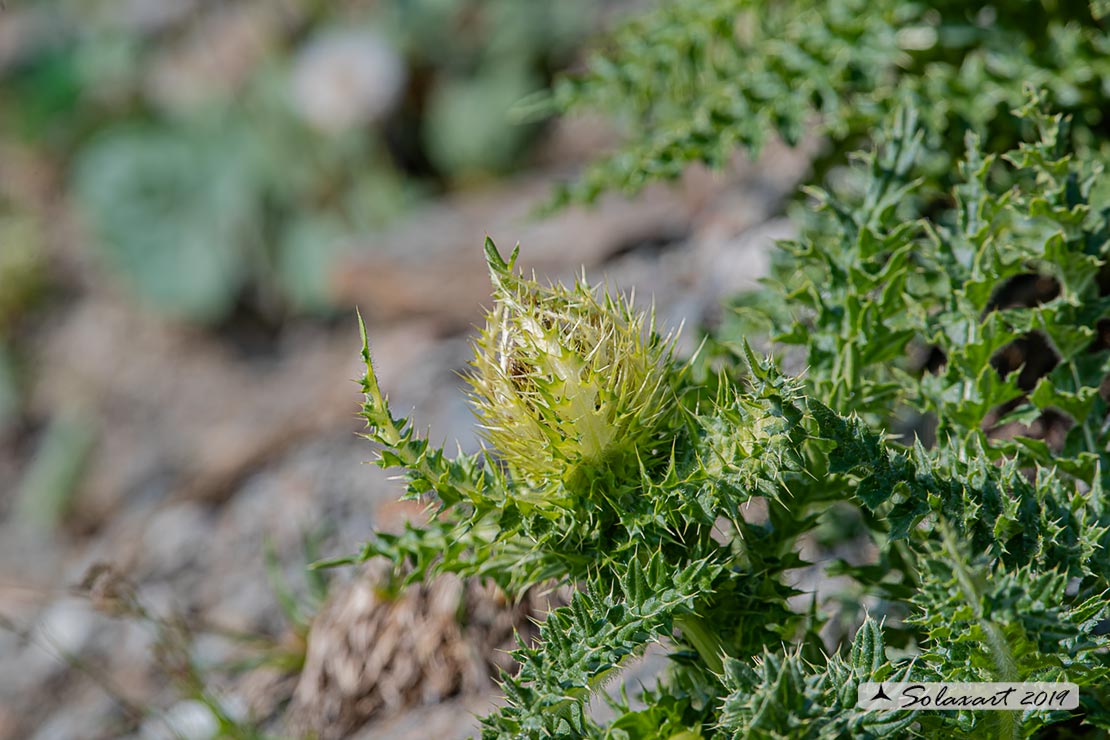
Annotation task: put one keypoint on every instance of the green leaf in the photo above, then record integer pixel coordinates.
(173, 214)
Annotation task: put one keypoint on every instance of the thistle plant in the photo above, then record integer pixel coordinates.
(613, 466)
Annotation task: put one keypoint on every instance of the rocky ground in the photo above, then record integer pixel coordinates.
(195, 454)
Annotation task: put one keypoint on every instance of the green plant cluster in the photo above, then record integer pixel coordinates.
(23, 286)
(986, 553)
(204, 187)
(694, 81)
(483, 55)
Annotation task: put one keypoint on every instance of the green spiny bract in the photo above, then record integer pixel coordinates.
(573, 391)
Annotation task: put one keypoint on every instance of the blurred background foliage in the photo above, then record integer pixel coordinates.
(694, 81)
(220, 154)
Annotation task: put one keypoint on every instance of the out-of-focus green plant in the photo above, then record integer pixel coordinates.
(22, 267)
(490, 53)
(9, 388)
(468, 128)
(50, 481)
(23, 285)
(194, 212)
(207, 184)
(172, 214)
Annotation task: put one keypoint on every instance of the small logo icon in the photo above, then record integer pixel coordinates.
(881, 694)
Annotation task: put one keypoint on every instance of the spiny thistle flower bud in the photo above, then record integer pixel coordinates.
(570, 389)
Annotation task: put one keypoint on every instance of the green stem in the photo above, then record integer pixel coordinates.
(1087, 437)
(1009, 724)
(703, 640)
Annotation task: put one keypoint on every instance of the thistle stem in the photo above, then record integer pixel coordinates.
(1009, 724)
(707, 644)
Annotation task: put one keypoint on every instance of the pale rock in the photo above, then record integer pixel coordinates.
(172, 537)
(343, 79)
(66, 626)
